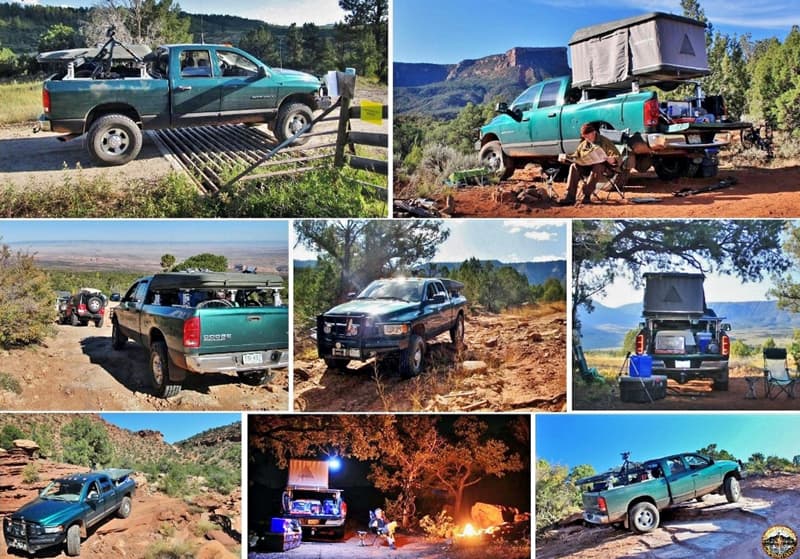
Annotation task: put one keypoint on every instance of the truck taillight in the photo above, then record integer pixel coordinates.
(725, 345)
(601, 504)
(46, 100)
(344, 508)
(191, 332)
(81, 308)
(640, 344)
(651, 112)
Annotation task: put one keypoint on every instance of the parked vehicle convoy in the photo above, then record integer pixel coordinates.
(545, 120)
(392, 316)
(684, 337)
(87, 305)
(634, 495)
(205, 322)
(307, 499)
(67, 508)
(112, 97)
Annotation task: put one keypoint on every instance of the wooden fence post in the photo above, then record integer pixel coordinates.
(347, 88)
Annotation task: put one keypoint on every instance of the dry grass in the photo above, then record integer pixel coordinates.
(20, 102)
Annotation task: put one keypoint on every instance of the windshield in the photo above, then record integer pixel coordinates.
(405, 290)
(62, 490)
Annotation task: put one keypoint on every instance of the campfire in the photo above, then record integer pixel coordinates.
(489, 525)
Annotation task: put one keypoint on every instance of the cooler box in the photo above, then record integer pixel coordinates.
(703, 339)
(641, 366)
(281, 542)
(280, 525)
(636, 389)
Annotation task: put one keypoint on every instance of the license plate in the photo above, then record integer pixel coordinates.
(313, 521)
(339, 352)
(683, 364)
(694, 139)
(252, 359)
(17, 544)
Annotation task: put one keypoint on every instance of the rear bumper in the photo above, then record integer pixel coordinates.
(595, 518)
(237, 362)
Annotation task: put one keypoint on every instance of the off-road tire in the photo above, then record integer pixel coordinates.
(253, 378)
(124, 510)
(493, 158)
(94, 304)
(98, 322)
(670, 168)
(118, 339)
(721, 383)
(74, 320)
(159, 371)
(291, 118)
(114, 140)
(732, 489)
(644, 517)
(412, 359)
(336, 364)
(457, 331)
(74, 540)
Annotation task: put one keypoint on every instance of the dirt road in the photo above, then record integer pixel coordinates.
(511, 362)
(711, 528)
(78, 370)
(693, 395)
(759, 192)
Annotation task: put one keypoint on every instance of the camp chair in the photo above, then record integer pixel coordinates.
(373, 529)
(776, 373)
(615, 177)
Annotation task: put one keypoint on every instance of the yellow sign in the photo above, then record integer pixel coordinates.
(779, 542)
(372, 112)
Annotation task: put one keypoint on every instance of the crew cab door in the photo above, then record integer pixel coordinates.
(95, 502)
(436, 302)
(129, 311)
(680, 479)
(247, 88)
(195, 91)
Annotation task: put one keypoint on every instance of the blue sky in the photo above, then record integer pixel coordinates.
(165, 231)
(447, 31)
(598, 439)
(281, 12)
(516, 240)
(174, 426)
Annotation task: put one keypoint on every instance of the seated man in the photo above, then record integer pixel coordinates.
(590, 174)
(383, 527)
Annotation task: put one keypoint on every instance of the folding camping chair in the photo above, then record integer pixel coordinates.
(776, 373)
(615, 177)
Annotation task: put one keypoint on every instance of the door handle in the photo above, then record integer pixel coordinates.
(552, 115)
(183, 88)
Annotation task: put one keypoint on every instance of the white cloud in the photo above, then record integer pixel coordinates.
(280, 12)
(540, 235)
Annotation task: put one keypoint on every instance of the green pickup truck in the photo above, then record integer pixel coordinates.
(392, 316)
(67, 508)
(634, 494)
(205, 322)
(175, 86)
(610, 63)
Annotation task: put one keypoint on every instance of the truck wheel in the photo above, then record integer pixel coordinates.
(94, 304)
(721, 383)
(732, 489)
(253, 378)
(124, 510)
(118, 339)
(74, 320)
(669, 168)
(98, 322)
(644, 517)
(493, 158)
(291, 119)
(336, 364)
(114, 140)
(159, 371)
(457, 331)
(412, 359)
(74, 540)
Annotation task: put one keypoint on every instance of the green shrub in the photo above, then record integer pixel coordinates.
(86, 443)
(163, 549)
(30, 473)
(26, 300)
(440, 526)
(7, 382)
(8, 434)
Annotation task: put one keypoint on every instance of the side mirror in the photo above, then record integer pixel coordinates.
(352, 295)
(726, 327)
(262, 72)
(641, 326)
(501, 107)
(438, 299)
(92, 497)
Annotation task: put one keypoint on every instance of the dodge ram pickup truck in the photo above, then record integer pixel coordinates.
(205, 322)
(634, 495)
(392, 316)
(66, 509)
(684, 337)
(610, 63)
(307, 499)
(175, 86)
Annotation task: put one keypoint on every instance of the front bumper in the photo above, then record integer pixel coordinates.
(30, 543)
(356, 348)
(237, 362)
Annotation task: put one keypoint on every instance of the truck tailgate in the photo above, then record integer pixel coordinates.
(228, 330)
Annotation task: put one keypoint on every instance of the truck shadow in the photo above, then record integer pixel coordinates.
(131, 368)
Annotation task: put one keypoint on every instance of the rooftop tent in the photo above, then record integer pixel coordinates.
(674, 293)
(650, 49)
(213, 280)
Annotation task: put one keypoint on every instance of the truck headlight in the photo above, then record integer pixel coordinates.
(395, 329)
(53, 529)
(327, 327)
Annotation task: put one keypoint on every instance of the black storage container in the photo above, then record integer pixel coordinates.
(636, 389)
(274, 541)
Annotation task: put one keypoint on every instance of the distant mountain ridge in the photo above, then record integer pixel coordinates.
(752, 320)
(441, 90)
(536, 272)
